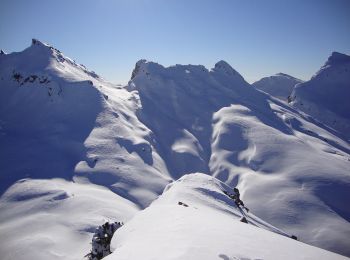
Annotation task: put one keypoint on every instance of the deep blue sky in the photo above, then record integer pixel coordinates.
(258, 38)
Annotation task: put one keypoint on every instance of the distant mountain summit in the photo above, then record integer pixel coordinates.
(42, 57)
(224, 67)
(326, 96)
(280, 85)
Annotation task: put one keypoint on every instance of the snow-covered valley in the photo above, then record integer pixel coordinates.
(77, 151)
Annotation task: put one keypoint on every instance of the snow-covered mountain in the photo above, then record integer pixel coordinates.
(326, 96)
(77, 150)
(280, 85)
(194, 219)
(72, 154)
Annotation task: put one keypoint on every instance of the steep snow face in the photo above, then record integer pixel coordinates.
(326, 96)
(194, 219)
(76, 123)
(177, 104)
(280, 85)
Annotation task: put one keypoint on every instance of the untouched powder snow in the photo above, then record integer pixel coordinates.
(280, 85)
(326, 96)
(77, 151)
(77, 143)
(54, 219)
(215, 122)
(205, 226)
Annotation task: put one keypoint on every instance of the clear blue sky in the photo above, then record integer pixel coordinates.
(258, 38)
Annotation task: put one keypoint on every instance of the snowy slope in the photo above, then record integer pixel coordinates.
(76, 122)
(214, 122)
(326, 96)
(280, 85)
(64, 129)
(55, 219)
(208, 228)
(77, 150)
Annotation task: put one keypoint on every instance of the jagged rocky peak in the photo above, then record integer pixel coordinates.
(138, 67)
(42, 49)
(337, 58)
(39, 45)
(51, 53)
(223, 71)
(145, 67)
(223, 66)
(36, 42)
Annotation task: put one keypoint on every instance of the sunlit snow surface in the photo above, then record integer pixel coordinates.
(77, 151)
(208, 227)
(326, 96)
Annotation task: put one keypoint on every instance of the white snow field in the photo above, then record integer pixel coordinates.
(280, 85)
(326, 96)
(194, 219)
(77, 151)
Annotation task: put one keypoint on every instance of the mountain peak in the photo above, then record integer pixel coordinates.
(146, 67)
(283, 74)
(40, 56)
(337, 58)
(39, 48)
(138, 67)
(36, 42)
(287, 76)
(142, 61)
(222, 63)
(224, 67)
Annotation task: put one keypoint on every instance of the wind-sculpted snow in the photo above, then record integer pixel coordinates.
(64, 130)
(54, 218)
(194, 219)
(177, 104)
(326, 96)
(214, 122)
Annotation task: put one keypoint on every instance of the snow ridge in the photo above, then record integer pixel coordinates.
(325, 96)
(72, 142)
(193, 213)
